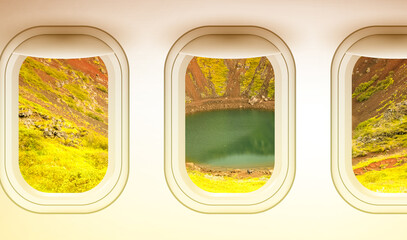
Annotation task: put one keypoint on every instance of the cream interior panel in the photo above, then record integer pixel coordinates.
(146, 209)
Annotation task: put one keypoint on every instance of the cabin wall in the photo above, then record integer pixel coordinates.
(146, 209)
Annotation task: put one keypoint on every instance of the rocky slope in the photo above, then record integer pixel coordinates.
(63, 123)
(376, 85)
(72, 90)
(213, 84)
(379, 107)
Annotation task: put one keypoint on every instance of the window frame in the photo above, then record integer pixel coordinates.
(111, 186)
(354, 46)
(177, 178)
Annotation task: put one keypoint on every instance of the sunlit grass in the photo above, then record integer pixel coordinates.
(225, 184)
(391, 180)
(57, 155)
(49, 166)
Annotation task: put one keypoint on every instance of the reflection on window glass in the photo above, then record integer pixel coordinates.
(63, 123)
(379, 124)
(229, 107)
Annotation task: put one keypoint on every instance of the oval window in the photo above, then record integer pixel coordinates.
(229, 119)
(63, 123)
(65, 135)
(369, 120)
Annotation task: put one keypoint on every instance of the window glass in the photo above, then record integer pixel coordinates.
(63, 123)
(379, 124)
(229, 123)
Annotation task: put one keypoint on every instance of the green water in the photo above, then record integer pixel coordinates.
(231, 138)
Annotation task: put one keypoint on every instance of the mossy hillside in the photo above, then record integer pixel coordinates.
(49, 165)
(67, 90)
(365, 90)
(29, 75)
(384, 132)
(363, 86)
(63, 145)
(379, 138)
(43, 66)
(72, 159)
(258, 78)
(216, 71)
(101, 88)
(78, 91)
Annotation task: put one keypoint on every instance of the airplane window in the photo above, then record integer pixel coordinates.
(379, 124)
(65, 107)
(229, 108)
(63, 123)
(229, 119)
(369, 119)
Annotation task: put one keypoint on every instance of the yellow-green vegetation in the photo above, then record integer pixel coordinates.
(271, 89)
(381, 139)
(101, 88)
(226, 184)
(77, 91)
(251, 81)
(72, 159)
(59, 150)
(379, 158)
(257, 77)
(29, 75)
(53, 72)
(366, 89)
(50, 166)
(363, 86)
(381, 133)
(251, 65)
(216, 71)
(390, 180)
(94, 116)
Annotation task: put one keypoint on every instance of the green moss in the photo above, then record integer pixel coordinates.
(379, 134)
(99, 110)
(95, 140)
(82, 76)
(216, 71)
(251, 65)
(29, 76)
(259, 77)
(53, 72)
(101, 88)
(271, 89)
(363, 86)
(42, 97)
(94, 116)
(71, 103)
(24, 103)
(381, 85)
(77, 91)
(49, 166)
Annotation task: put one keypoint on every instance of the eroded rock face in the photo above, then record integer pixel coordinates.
(220, 84)
(52, 127)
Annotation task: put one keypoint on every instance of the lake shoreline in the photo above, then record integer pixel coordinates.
(224, 103)
(239, 173)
